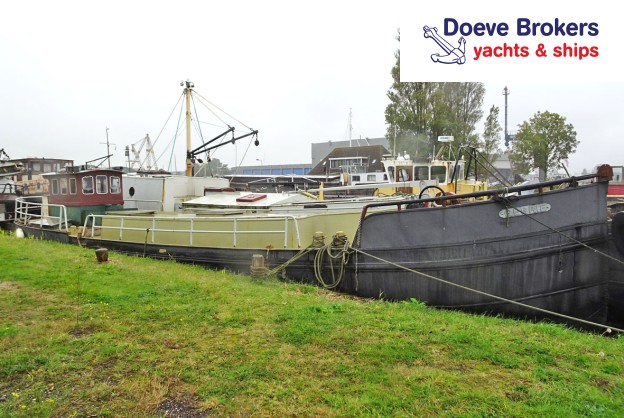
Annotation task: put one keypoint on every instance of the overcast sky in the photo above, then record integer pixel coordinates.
(291, 69)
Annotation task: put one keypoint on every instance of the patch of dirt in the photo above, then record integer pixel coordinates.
(9, 286)
(600, 383)
(179, 408)
(80, 331)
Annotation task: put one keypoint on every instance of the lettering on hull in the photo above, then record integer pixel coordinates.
(524, 210)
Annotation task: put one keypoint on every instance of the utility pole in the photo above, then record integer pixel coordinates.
(507, 138)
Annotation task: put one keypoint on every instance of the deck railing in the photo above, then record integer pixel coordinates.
(34, 213)
(539, 187)
(153, 229)
(12, 189)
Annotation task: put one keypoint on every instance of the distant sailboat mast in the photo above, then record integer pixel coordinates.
(350, 127)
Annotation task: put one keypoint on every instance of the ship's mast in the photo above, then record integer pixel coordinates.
(188, 87)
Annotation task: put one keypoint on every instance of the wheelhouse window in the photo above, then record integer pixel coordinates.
(63, 184)
(101, 184)
(391, 173)
(459, 173)
(115, 185)
(347, 162)
(421, 172)
(438, 173)
(72, 186)
(403, 174)
(87, 185)
(55, 186)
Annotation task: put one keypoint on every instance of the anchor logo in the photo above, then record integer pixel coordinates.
(453, 55)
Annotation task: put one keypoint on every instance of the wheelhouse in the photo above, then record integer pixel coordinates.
(86, 187)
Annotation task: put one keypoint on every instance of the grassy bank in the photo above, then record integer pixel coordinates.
(136, 337)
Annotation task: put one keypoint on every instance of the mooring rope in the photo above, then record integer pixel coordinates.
(338, 250)
(317, 242)
(290, 261)
(546, 311)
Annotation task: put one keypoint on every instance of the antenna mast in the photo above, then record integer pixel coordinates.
(507, 138)
(108, 144)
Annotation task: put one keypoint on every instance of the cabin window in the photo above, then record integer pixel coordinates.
(63, 183)
(371, 177)
(391, 172)
(47, 167)
(459, 172)
(55, 186)
(72, 186)
(438, 173)
(115, 185)
(421, 173)
(355, 178)
(101, 183)
(87, 185)
(403, 175)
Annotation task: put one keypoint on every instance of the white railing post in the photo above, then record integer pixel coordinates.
(64, 212)
(297, 232)
(191, 232)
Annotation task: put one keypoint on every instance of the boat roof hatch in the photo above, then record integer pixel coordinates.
(254, 197)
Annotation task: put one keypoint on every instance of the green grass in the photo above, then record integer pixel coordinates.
(137, 337)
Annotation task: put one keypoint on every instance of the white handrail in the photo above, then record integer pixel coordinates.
(25, 213)
(192, 229)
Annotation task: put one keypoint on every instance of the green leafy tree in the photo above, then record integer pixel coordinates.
(542, 143)
(489, 146)
(214, 167)
(420, 112)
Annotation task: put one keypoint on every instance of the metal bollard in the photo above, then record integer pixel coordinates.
(102, 255)
(258, 269)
